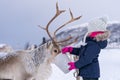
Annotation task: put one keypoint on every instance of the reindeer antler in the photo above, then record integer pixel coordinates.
(71, 20)
(53, 38)
(58, 12)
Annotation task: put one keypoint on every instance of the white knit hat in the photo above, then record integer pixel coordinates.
(98, 24)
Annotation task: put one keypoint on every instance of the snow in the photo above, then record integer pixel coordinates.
(77, 26)
(3, 54)
(110, 64)
(113, 22)
(2, 45)
(109, 67)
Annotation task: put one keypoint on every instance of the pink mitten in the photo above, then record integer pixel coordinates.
(67, 49)
(72, 65)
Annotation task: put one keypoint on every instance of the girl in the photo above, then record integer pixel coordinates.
(96, 39)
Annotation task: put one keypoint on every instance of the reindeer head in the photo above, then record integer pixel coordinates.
(55, 43)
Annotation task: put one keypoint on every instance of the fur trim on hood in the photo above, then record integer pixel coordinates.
(103, 36)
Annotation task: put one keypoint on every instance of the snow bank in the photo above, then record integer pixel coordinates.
(110, 64)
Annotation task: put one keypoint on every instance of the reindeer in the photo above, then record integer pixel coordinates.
(35, 64)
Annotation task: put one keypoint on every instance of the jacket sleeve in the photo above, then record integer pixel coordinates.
(90, 53)
(76, 51)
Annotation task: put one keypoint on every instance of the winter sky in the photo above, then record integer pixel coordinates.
(19, 18)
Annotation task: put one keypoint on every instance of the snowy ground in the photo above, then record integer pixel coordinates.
(109, 63)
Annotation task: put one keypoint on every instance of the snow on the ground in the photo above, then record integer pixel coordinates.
(109, 66)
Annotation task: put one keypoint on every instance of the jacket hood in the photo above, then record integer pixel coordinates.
(103, 36)
(101, 44)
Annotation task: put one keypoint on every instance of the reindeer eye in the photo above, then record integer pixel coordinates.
(56, 51)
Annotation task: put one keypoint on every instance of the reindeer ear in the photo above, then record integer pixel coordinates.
(49, 45)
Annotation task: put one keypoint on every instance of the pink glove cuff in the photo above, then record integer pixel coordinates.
(72, 65)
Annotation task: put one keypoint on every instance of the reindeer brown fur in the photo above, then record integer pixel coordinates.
(13, 67)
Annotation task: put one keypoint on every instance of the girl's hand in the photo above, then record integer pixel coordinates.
(66, 49)
(72, 65)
